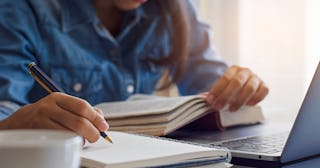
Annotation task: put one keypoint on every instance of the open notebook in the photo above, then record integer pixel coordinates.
(132, 150)
(156, 115)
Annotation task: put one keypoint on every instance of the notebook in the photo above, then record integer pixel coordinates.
(132, 150)
(157, 115)
(300, 142)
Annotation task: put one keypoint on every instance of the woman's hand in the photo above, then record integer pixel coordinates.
(59, 111)
(237, 86)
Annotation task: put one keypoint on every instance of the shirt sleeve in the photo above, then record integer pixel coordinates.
(17, 43)
(204, 65)
(7, 108)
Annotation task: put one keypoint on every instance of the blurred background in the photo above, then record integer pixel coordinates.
(277, 39)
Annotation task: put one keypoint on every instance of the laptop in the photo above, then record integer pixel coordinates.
(259, 145)
(302, 141)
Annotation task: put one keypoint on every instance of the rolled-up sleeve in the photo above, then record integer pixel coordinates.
(18, 37)
(204, 65)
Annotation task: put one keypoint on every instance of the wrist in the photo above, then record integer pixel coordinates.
(4, 124)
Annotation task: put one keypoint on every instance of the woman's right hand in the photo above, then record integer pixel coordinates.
(59, 111)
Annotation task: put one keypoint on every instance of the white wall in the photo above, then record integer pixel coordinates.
(277, 39)
(312, 40)
(223, 16)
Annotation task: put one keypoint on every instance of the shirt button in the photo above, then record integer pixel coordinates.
(130, 89)
(77, 87)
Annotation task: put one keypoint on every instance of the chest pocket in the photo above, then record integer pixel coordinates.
(81, 81)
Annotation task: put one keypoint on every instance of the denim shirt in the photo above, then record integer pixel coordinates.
(66, 39)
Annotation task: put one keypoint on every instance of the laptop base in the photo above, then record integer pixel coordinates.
(254, 163)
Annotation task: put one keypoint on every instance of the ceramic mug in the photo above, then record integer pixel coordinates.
(39, 149)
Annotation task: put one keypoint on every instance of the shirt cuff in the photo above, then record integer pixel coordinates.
(7, 108)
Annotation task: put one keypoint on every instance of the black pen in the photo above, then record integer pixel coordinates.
(50, 86)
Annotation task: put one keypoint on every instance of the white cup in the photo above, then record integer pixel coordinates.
(39, 149)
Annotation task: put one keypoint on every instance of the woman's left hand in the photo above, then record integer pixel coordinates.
(236, 87)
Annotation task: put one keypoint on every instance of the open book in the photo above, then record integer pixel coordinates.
(132, 150)
(156, 115)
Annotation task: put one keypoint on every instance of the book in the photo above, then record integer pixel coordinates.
(158, 115)
(133, 150)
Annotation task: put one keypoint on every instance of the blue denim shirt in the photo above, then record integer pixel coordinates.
(66, 39)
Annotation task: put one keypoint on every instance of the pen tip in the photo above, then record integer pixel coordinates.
(108, 139)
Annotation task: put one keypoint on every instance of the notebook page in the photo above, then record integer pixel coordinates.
(131, 148)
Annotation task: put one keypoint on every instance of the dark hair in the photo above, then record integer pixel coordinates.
(178, 18)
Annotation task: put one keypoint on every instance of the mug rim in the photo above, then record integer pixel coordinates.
(37, 138)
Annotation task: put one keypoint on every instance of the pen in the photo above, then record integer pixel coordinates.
(50, 86)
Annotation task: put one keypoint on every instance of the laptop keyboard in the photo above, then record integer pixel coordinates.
(268, 144)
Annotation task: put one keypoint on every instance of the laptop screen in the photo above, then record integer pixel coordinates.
(304, 138)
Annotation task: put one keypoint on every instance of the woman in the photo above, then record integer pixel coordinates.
(107, 50)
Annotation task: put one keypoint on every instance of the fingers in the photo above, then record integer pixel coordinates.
(81, 108)
(60, 111)
(98, 111)
(220, 85)
(100, 120)
(261, 93)
(237, 86)
(229, 85)
(74, 114)
(247, 92)
(77, 124)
